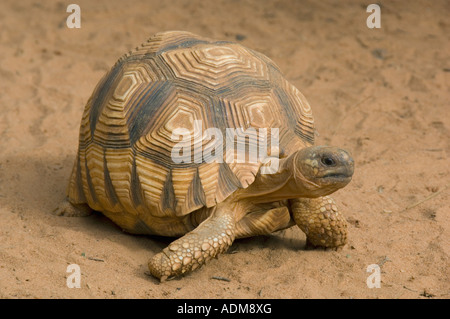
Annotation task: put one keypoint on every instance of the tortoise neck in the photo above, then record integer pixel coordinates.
(286, 183)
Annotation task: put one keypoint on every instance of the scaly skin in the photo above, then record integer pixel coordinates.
(194, 249)
(320, 220)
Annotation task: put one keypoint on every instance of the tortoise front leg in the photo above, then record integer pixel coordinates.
(320, 220)
(212, 237)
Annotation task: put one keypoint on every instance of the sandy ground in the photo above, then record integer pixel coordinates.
(382, 93)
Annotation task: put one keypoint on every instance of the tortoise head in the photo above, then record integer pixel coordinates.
(321, 169)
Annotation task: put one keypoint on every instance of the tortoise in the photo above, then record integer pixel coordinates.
(154, 152)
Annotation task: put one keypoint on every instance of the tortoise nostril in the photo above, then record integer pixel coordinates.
(328, 161)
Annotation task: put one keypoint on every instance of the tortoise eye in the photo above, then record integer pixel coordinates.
(328, 161)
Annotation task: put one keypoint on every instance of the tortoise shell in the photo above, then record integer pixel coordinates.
(125, 167)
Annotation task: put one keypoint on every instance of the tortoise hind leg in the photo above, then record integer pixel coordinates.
(66, 208)
(75, 203)
(320, 220)
(212, 237)
(263, 222)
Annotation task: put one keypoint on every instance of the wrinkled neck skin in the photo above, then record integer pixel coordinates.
(286, 183)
